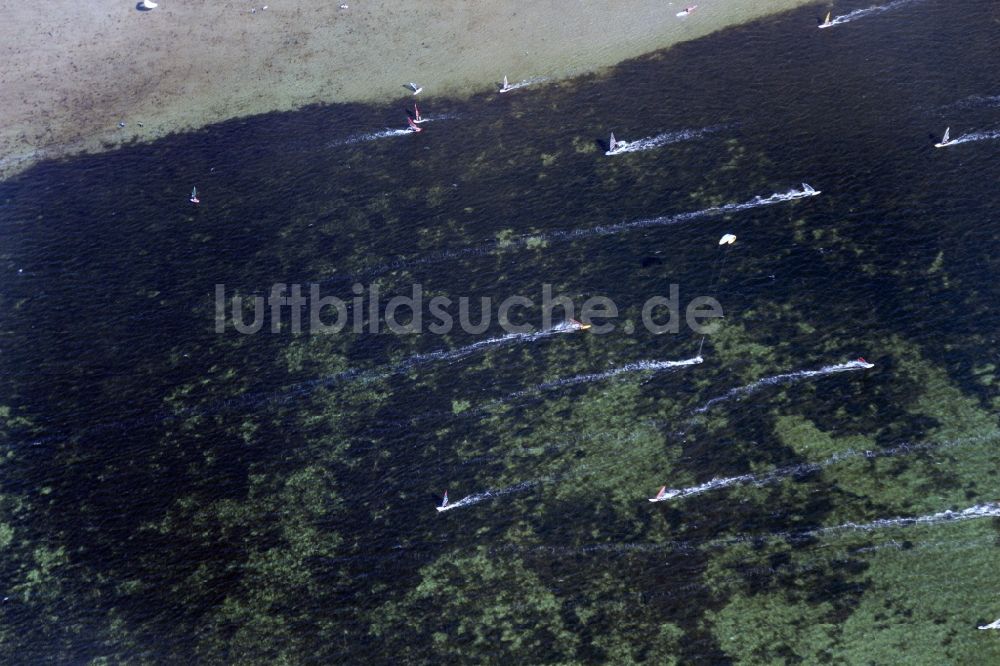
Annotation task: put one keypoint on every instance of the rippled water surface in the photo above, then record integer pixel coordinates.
(173, 493)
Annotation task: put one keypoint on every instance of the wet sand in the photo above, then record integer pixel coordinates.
(73, 70)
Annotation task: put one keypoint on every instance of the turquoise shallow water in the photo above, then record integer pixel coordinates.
(171, 493)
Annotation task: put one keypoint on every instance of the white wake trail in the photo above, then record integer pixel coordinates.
(510, 338)
(714, 484)
(526, 240)
(638, 366)
(373, 374)
(485, 407)
(438, 116)
(369, 136)
(476, 498)
(806, 468)
(976, 136)
(526, 82)
(787, 377)
(609, 229)
(663, 139)
(869, 11)
(988, 510)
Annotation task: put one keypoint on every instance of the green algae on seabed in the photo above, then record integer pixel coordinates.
(901, 598)
(271, 498)
(918, 602)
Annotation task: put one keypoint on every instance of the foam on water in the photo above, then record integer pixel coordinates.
(356, 374)
(976, 136)
(786, 377)
(524, 240)
(806, 468)
(290, 392)
(476, 498)
(370, 136)
(526, 82)
(988, 510)
(438, 116)
(869, 11)
(606, 230)
(664, 139)
(638, 366)
(509, 338)
(484, 408)
(428, 357)
(714, 484)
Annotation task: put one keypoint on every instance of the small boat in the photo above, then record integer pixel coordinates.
(727, 239)
(413, 126)
(864, 363)
(687, 10)
(664, 494)
(579, 325)
(414, 87)
(444, 502)
(506, 86)
(417, 118)
(992, 625)
(194, 196)
(945, 140)
(148, 4)
(827, 23)
(615, 146)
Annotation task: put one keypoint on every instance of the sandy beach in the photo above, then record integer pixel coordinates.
(72, 71)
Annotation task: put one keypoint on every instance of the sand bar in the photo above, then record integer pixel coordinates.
(71, 71)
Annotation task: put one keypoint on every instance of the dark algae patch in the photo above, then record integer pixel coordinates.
(175, 494)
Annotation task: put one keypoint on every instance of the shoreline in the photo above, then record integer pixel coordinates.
(79, 69)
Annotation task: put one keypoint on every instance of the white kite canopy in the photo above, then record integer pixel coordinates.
(728, 239)
(147, 4)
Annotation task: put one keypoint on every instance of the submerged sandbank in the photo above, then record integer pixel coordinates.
(75, 70)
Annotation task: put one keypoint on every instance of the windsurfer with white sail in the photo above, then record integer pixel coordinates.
(417, 118)
(615, 146)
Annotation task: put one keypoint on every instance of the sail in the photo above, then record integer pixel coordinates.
(612, 144)
(827, 21)
(505, 84)
(194, 192)
(444, 502)
(416, 112)
(947, 135)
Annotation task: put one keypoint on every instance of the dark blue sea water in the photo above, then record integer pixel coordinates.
(172, 493)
